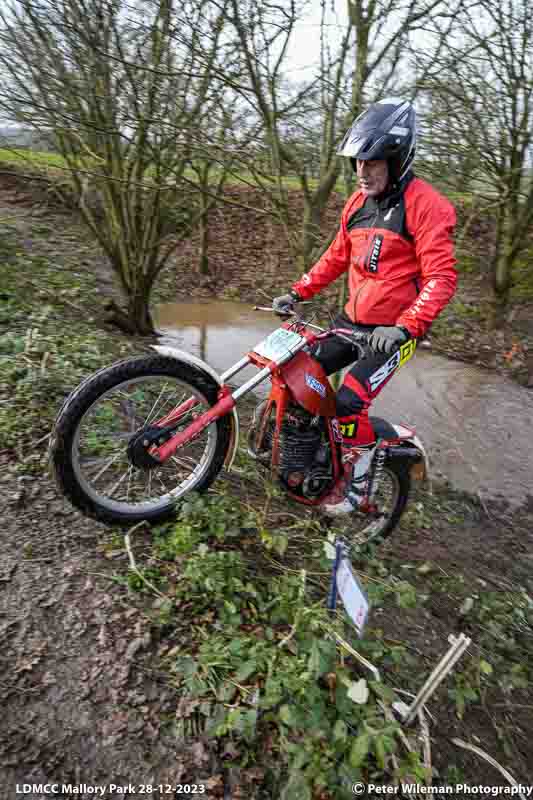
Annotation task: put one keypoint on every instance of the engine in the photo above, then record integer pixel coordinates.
(304, 462)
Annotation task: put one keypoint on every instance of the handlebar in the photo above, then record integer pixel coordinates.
(358, 339)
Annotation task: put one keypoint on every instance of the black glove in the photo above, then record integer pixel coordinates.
(285, 303)
(388, 339)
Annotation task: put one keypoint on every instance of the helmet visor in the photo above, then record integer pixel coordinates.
(361, 144)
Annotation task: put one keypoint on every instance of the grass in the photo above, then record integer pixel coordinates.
(53, 161)
(32, 157)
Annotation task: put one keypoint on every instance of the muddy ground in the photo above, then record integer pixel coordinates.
(83, 696)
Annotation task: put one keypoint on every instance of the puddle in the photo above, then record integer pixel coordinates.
(476, 425)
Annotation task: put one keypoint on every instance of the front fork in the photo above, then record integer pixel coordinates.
(227, 400)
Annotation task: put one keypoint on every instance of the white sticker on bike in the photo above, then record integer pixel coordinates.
(277, 344)
(384, 371)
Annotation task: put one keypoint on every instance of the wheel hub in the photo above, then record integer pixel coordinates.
(142, 441)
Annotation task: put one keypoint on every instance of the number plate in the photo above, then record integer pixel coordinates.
(354, 599)
(277, 344)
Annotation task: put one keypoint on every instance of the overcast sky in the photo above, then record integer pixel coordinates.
(305, 50)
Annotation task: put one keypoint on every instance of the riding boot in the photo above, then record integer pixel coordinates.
(356, 489)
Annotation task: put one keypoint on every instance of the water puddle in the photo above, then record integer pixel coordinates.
(476, 425)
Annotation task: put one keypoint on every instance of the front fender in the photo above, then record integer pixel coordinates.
(182, 355)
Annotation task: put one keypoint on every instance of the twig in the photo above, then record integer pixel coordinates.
(444, 666)
(133, 565)
(370, 667)
(485, 756)
(424, 734)
(483, 504)
(44, 362)
(42, 439)
(57, 297)
(410, 694)
(12, 688)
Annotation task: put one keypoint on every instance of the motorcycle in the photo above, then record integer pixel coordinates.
(138, 435)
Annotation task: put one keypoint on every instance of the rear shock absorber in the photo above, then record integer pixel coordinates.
(378, 464)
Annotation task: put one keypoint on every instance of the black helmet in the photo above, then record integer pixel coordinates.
(386, 130)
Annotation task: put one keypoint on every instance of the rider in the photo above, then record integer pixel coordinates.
(395, 242)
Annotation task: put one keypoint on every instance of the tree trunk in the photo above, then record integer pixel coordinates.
(314, 207)
(203, 259)
(501, 285)
(135, 319)
(310, 233)
(203, 263)
(139, 313)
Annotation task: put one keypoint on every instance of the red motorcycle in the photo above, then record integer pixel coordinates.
(137, 436)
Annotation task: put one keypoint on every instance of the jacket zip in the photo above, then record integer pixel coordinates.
(365, 281)
(371, 235)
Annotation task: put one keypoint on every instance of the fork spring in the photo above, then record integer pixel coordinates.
(377, 471)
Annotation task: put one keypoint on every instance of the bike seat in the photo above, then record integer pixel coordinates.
(382, 428)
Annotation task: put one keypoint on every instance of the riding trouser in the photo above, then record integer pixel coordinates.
(362, 382)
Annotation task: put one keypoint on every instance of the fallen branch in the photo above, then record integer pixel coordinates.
(426, 745)
(133, 564)
(485, 756)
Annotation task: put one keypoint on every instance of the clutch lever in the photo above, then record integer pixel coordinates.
(363, 348)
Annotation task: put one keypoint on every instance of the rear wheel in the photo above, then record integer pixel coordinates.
(391, 498)
(95, 463)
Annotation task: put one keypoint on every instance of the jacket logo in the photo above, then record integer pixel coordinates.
(424, 295)
(372, 257)
(315, 385)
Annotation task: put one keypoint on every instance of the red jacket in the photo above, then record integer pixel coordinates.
(399, 256)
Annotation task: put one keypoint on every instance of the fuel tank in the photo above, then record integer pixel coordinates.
(309, 385)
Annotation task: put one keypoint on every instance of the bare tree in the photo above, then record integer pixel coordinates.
(363, 66)
(120, 87)
(484, 81)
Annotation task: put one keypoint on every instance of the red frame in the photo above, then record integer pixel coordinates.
(280, 397)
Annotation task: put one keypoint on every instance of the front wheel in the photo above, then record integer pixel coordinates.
(391, 499)
(91, 453)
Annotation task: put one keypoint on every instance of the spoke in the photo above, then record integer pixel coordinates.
(105, 467)
(130, 472)
(172, 402)
(102, 446)
(182, 462)
(155, 404)
(117, 484)
(161, 482)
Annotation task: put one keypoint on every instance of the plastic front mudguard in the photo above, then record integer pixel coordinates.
(182, 355)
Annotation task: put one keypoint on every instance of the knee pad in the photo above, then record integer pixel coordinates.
(348, 403)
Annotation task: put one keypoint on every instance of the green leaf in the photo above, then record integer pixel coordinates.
(280, 544)
(329, 551)
(385, 692)
(379, 750)
(340, 730)
(485, 667)
(296, 788)
(360, 749)
(285, 715)
(314, 658)
(245, 670)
